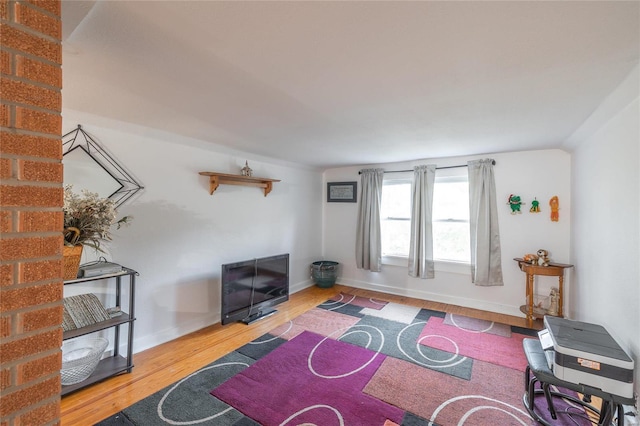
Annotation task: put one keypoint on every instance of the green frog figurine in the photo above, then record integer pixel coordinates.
(515, 202)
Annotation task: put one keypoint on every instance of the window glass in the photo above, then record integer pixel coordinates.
(395, 216)
(451, 219)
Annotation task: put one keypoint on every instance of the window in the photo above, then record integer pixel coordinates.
(451, 219)
(395, 217)
(450, 216)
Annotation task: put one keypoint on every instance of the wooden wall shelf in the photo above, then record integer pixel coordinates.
(216, 179)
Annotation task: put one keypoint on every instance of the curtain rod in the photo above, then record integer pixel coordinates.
(437, 168)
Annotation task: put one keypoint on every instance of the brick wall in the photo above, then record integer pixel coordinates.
(30, 212)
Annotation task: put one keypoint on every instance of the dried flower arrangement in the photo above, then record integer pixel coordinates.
(88, 218)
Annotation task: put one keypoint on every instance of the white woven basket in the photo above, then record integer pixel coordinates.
(80, 358)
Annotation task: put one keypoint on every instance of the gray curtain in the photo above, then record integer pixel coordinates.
(486, 259)
(421, 247)
(368, 234)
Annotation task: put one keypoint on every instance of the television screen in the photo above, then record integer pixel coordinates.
(251, 287)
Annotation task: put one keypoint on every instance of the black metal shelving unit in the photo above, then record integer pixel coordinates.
(117, 363)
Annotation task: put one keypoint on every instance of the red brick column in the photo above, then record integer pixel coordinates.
(30, 212)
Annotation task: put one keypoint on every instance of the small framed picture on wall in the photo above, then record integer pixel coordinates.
(342, 192)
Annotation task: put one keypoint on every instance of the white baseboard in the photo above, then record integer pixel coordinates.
(300, 286)
(140, 343)
(145, 342)
(436, 297)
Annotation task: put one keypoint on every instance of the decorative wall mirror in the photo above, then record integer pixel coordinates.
(88, 166)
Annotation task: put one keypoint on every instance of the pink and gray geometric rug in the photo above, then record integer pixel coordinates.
(356, 361)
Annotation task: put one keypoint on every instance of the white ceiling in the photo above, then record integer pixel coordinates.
(328, 84)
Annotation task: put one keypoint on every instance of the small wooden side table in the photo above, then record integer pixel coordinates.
(554, 270)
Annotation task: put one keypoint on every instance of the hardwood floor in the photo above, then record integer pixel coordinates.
(165, 364)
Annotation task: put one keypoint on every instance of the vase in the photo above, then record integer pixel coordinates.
(71, 261)
(324, 273)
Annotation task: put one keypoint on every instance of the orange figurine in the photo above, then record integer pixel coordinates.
(554, 203)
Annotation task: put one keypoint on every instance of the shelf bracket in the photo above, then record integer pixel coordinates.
(267, 188)
(213, 184)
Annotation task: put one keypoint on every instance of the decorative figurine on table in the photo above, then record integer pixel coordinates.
(535, 206)
(554, 297)
(543, 257)
(246, 170)
(530, 258)
(515, 203)
(554, 203)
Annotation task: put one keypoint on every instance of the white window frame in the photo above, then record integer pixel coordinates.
(442, 175)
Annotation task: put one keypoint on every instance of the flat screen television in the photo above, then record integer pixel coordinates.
(251, 288)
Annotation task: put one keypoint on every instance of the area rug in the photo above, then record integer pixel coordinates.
(344, 299)
(479, 345)
(475, 325)
(310, 380)
(355, 361)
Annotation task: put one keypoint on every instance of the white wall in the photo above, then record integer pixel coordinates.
(181, 235)
(606, 219)
(540, 174)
